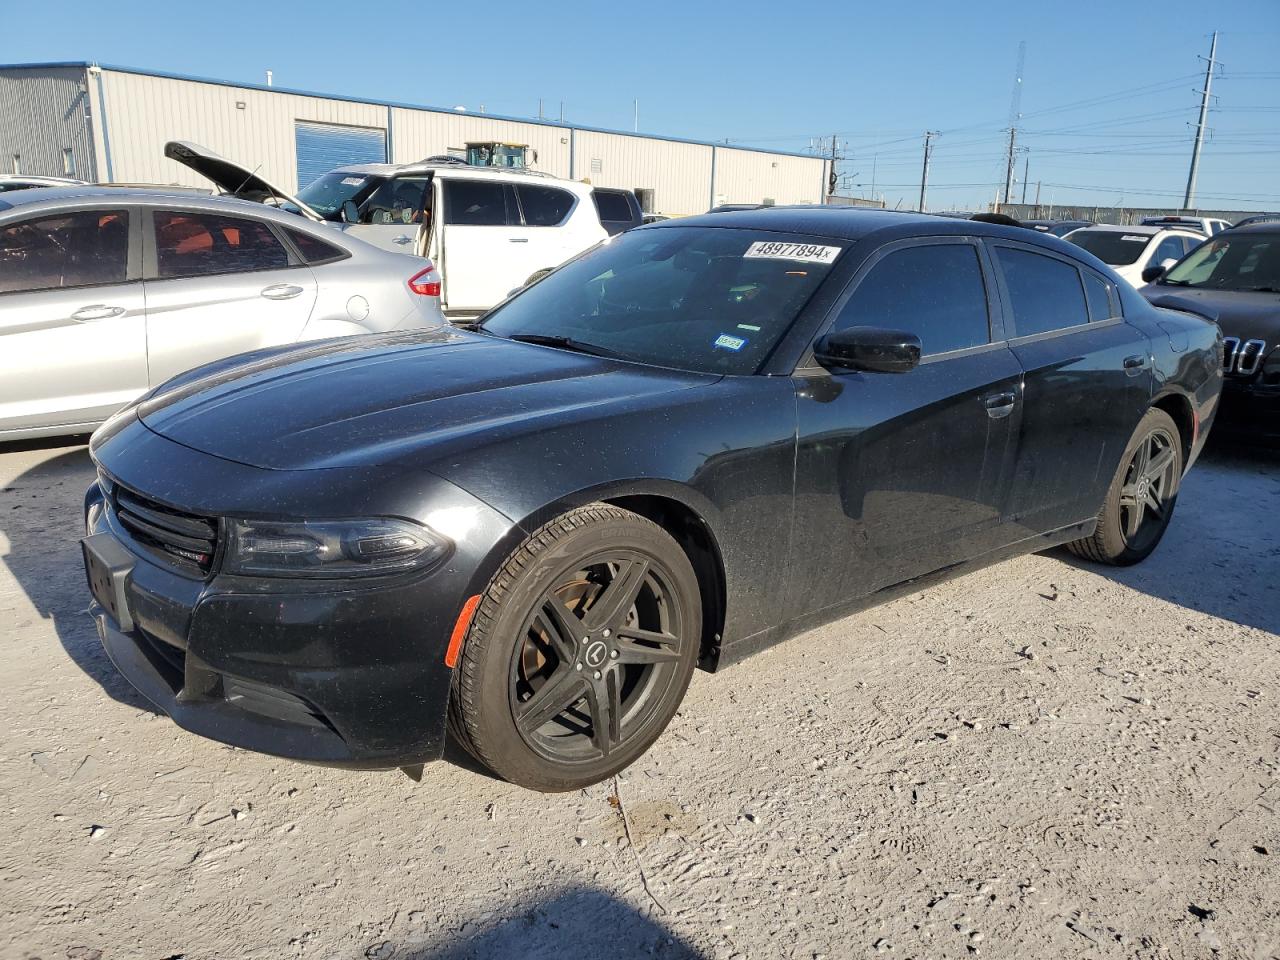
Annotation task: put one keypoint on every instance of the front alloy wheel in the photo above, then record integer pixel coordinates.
(580, 652)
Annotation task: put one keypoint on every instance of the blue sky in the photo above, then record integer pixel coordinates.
(773, 74)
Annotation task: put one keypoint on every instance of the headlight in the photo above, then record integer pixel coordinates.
(331, 548)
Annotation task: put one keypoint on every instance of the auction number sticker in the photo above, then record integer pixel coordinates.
(799, 252)
(1135, 239)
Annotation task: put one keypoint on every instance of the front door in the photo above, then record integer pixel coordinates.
(1087, 382)
(73, 346)
(901, 474)
(397, 216)
(216, 286)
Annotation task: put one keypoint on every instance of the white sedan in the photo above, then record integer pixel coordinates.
(106, 292)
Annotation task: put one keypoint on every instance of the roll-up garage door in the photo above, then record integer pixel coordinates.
(323, 146)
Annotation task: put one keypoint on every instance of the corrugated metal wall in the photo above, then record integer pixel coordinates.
(42, 113)
(747, 176)
(678, 173)
(144, 112)
(255, 126)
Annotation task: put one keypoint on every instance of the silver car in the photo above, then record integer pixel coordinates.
(106, 292)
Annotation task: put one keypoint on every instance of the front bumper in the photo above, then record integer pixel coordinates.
(1250, 409)
(344, 673)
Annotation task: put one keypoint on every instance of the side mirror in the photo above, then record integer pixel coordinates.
(1153, 273)
(350, 212)
(1167, 263)
(869, 348)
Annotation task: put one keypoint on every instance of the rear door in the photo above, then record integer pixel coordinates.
(898, 475)
(218, 285)
(546, 211)
(73, 344)
(485, 249)
(1086, 383)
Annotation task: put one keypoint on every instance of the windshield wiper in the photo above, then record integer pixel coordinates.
(1266, 289)
(1176, 283)
(565, 343)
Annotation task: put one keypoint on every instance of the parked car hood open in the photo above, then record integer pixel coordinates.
(399, 392)
(1246, 314)
(231, 177)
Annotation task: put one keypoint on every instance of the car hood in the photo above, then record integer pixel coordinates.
(1245, 314)
(229, 176)
(361, 401)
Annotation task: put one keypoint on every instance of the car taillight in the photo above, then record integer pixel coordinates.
(426, 282)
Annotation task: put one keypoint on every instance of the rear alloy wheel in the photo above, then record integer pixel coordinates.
(1141, 498)
(580, 652)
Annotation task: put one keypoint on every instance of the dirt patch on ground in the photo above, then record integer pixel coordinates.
(1043, 759)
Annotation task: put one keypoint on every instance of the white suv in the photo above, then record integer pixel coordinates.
(488, 231)
(1130, 250)
(1206, 225)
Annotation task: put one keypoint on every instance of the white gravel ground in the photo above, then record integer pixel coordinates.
(1045, 759)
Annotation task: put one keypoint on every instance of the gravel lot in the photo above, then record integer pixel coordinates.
(1044, 759)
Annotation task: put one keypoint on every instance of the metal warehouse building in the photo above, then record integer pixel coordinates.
(110, 124)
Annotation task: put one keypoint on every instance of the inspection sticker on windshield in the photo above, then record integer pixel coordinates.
(353, 181)
(726, 342)
(799, 252)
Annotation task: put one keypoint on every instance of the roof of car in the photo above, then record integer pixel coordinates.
(1262, 226)
(442, 166)
(93, 192)
(844, 223)
(1149, 230)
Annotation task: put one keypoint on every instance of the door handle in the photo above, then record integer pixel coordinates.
(98, 311)
(1134, 364)
(281, 291)
(402, 239)
(518, 239)
(999, 405)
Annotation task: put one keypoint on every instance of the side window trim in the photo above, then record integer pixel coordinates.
(150, 260)
(1006, 301)
(994, 325)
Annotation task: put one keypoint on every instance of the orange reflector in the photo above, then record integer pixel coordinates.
(460, 631)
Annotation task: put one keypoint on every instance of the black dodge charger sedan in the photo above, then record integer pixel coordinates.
(690, 442)
(1234, 279)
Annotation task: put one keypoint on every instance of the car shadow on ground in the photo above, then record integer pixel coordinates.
(1221, 553)
(41, 517)
(577, 922)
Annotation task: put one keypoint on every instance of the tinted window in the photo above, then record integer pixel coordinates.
(1114, 247)
(473, 203)
(197, 244)
(544, 206)
(396, 201)
(612, 206)
(934, 291)
(1098, 292)
(315, 250)
(1046, 294)
(81, 249)
(693, 298)
(1170, 248)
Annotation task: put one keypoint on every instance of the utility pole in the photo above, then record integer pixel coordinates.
(832, 176)
(1189, 200)
(924, 174)
(635, 127)
(1026, 166)
(1008, 173)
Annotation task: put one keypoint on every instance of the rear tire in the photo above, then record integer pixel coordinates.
(1140, 501)
(580, 651)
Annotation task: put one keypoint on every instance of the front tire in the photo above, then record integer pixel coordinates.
(580, 651)
(1140, 501)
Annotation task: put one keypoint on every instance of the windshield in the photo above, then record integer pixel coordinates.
(694, 298)
(1244, 262)
(326, 195)
(1113, 247)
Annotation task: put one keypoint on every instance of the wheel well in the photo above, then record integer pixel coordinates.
(688, 529)
(1179, 408)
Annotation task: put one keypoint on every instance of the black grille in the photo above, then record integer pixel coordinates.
(187, 541)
